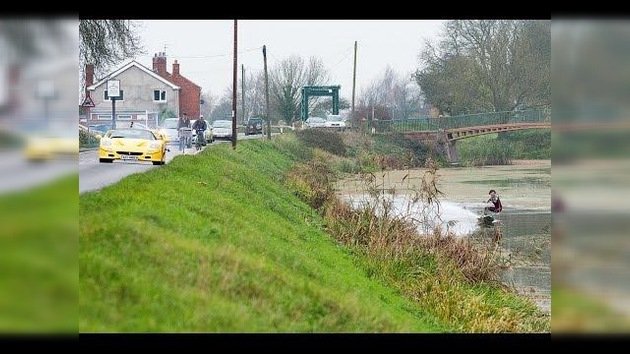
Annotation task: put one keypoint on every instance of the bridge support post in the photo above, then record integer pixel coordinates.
(451, 151)
(449, 145)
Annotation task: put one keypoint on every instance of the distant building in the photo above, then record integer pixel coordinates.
(42, 90)
(190, 94)
(145, 93)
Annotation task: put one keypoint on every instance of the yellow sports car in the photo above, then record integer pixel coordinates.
(50, 146)
(132, 145)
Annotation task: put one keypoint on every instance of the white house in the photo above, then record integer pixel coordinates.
(144, 94)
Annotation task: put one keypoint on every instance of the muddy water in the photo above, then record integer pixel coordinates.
(525, 192)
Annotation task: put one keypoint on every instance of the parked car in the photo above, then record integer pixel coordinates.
(168, 129)
(315, 122)
(335, 122)
(99, 129)
(132, 145)
(222, 129)
(49, 145)
(254, 126)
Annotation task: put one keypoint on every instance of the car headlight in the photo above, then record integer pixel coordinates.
(154, 145)
(106, 143)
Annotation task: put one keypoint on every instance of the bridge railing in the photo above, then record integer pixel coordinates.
(402, 125)
(492, 118)
(463, 121)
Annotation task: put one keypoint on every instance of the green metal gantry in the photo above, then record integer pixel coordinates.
(308, 91)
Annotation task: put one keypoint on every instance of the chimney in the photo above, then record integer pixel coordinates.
(89, 77)
(175, 68)
(159, 64)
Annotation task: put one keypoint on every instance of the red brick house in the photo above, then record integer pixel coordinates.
(144, 94)
(190, 93)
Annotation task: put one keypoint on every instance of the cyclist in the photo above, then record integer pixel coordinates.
(200, 127)
(183, 127)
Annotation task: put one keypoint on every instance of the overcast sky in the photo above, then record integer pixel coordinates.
(204, 48)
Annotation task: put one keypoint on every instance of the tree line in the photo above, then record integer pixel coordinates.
(475, 66)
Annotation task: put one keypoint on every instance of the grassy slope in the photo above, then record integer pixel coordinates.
(221, 245)
(38, 258)
(577, 312)
(527, 144)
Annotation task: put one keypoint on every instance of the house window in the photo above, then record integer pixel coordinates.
(120, 98)
(104, 117)
(123, 117)
(159, 96)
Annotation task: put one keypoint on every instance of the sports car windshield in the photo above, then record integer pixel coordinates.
(131, 134)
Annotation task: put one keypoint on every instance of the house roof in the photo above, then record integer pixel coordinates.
(170, 77)
(127, 66)
(185, 79)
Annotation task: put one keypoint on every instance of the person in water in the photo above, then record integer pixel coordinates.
(494, 198)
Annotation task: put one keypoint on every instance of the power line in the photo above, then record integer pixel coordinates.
(204, 56)
(274, 57)
(332, 69)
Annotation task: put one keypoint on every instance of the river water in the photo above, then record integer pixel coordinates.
(525, 192)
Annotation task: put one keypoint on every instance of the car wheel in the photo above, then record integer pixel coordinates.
(106, 160)
(157, 162)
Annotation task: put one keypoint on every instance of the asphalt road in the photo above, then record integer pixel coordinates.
(94, 175)
(17, 174)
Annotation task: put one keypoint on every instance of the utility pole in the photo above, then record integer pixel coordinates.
(354, 77)
(243, 94)
(267, 94)
(113, 91)
(372, 121)
(113, 112)
(234, 69)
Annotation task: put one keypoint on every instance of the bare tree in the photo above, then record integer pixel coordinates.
(391, 96)
(107, 42)
(323, 107)
(104, 43)
(287, 80)
(254, 95)
(223, 110)
(30, 38)
(488, 65)
(209, 101)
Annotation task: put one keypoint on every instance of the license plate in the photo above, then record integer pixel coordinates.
(128, 157)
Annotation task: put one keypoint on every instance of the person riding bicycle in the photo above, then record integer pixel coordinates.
(200, 127)
(183, 128)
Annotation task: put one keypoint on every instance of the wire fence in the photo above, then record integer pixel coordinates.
(539, 115)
